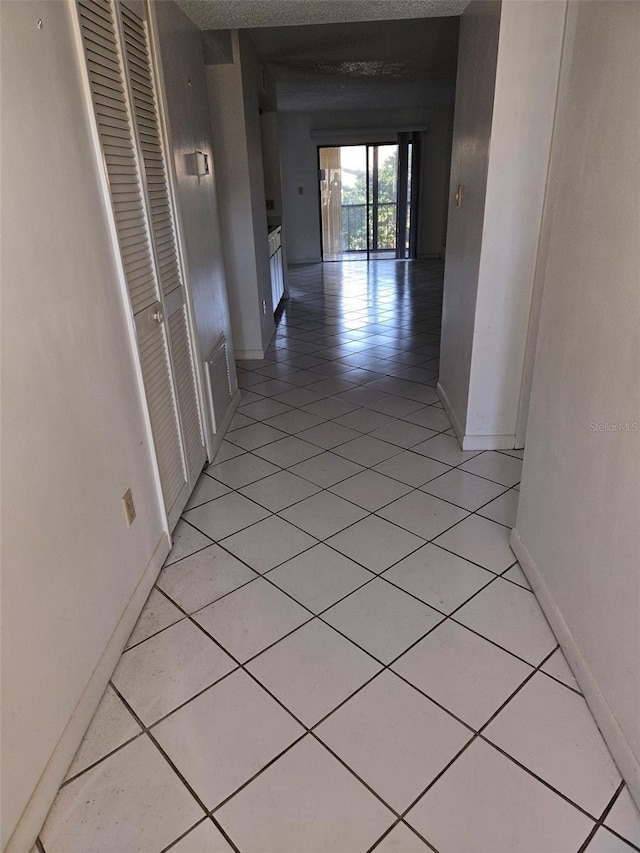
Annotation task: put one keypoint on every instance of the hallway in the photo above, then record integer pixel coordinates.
(341, 653)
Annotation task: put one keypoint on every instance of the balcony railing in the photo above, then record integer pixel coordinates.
(354, 227)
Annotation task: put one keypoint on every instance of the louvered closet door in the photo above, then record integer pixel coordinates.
(153, 161)
(122, 161)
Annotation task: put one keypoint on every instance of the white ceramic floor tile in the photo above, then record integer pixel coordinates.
(431, 417)
(401, 839)
(306, 802)
(206, 490)
(511, 617)
(313, 670)
(239, 420)
(550, 730)
(371, 490)
(112, 725)
(168, 669)
(495, 466)
(186, 540)
(319, 577)
(225, 736)
(279, 491)
(367, 450)
(463, 672)
(486, 803)
(254, 436)
(328, 435)
(363, 420)
(464, 490)
(411, 468)
(516, 575)
(299, 397)
(402, 433)
(382, 619)
(445, 449)
(268, 543)
(201, 578)
(422, 514)
(330, 408)
(606, 842)
(288, 451)
(157, 613)
(326, 470)
(253, 617)
(438, 578)
(624, 817)
(205, 838)
(225, 515)
(503, 509)
(558, 667)
(323, 514)
(264, 408)
(132, 800)
(394, 738)
(242, 470)
(227, 451)
(482, 541)
(375, 543)
(295, 421)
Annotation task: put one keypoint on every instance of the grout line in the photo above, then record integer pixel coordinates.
(176, 770)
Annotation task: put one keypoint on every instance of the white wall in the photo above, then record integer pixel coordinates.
(235, 126)
(180, 47)
(74, 577)
(299, 163)
(475, 84)
(578, 525)
(488, 290)
(252, 76)
(73, 432)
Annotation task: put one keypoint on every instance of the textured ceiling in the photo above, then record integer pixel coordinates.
(240, 14)
(363, 65)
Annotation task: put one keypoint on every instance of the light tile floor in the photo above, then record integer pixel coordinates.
(341, 653)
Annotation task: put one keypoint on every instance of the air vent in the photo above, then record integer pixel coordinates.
(219, 382)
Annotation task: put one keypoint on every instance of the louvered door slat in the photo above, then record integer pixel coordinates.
(162, 413)
(185, 383)
(151, 144)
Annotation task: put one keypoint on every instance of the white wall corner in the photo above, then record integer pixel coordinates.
(619, 747)
(446, 402)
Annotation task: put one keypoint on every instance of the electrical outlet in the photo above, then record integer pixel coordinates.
(129, 507)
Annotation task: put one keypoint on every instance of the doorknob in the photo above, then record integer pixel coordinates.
(158, 315)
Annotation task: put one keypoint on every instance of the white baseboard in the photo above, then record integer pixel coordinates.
(473, 442)
(488, 442)
(35, 813)
(619, 746)
(446, 402)
(248, 354)
(224, 426)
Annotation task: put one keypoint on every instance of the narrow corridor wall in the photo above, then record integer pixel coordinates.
(578, 526)
(502, 136)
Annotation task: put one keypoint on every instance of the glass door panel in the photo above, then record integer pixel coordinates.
(383, 200)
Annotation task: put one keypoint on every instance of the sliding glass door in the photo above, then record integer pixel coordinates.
(364, 189)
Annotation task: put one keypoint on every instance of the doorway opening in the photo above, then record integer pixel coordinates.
(367, 200)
